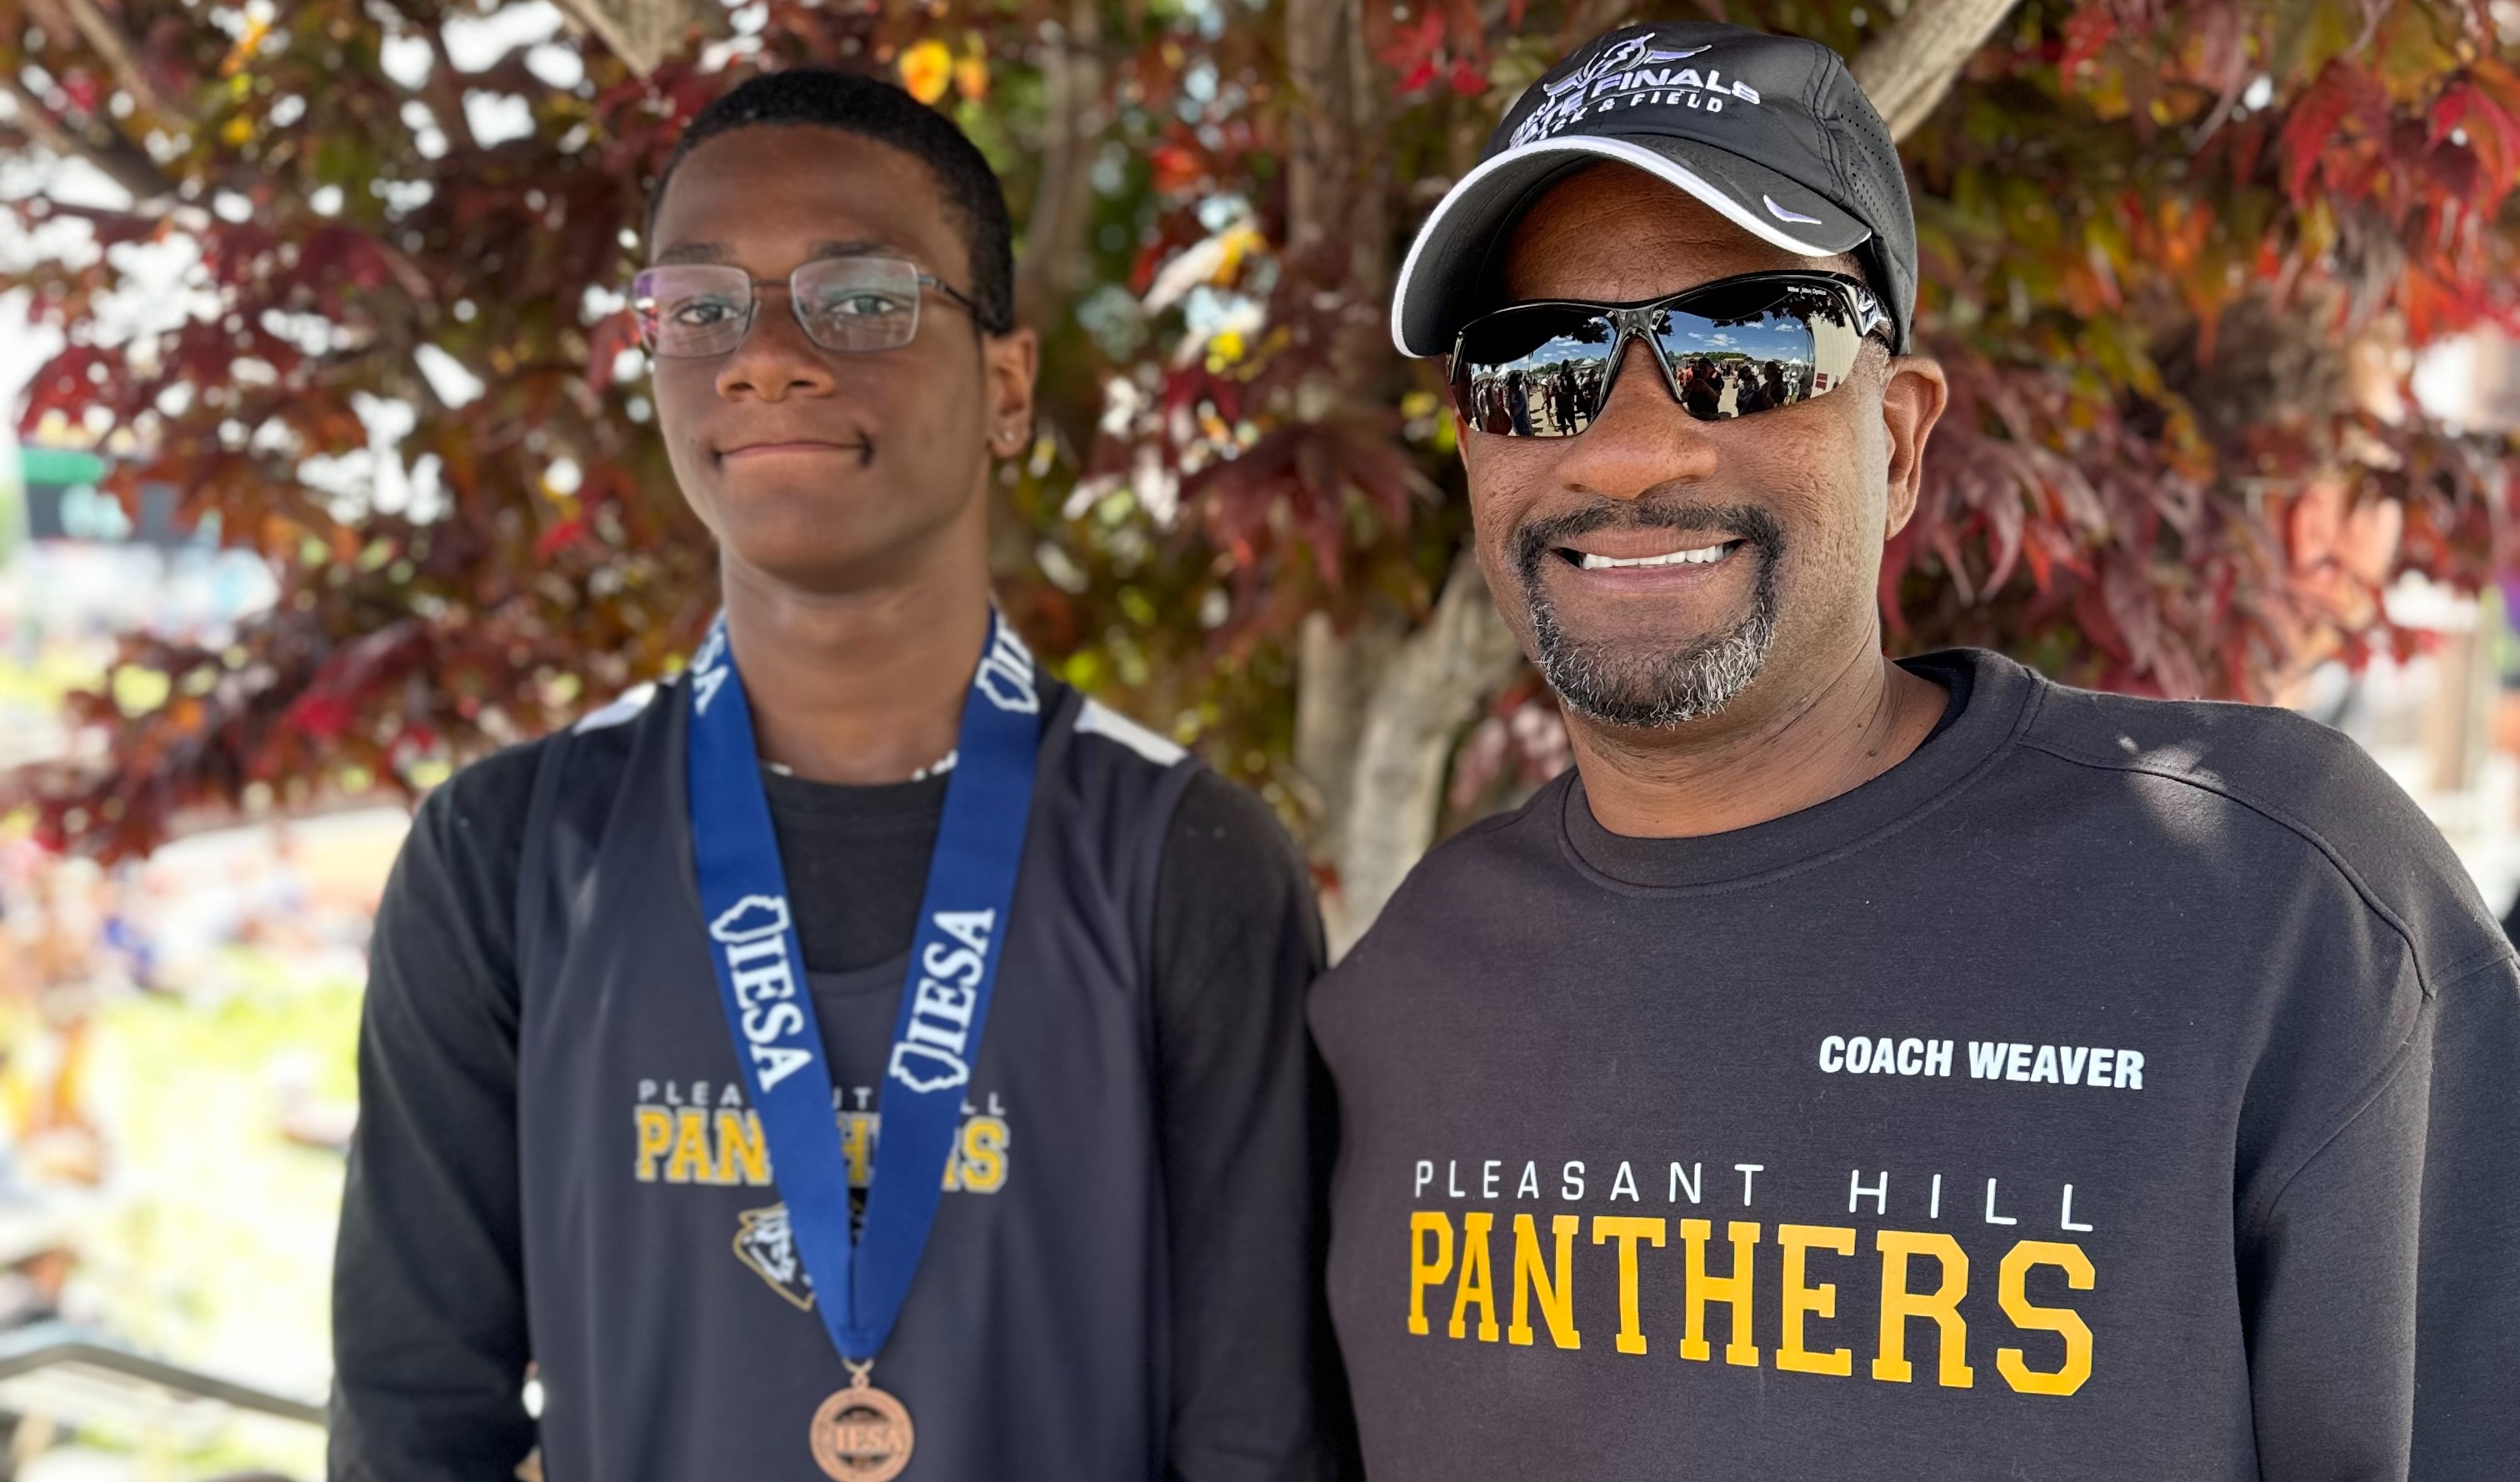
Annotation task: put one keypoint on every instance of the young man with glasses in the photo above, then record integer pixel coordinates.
(865, 1057)
(1857, 1067)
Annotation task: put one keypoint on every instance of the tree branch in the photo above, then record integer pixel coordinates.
(641, 32)
(1907, 70)
(1589, 18)
(443, 90)
(97, 141)
(115, 48)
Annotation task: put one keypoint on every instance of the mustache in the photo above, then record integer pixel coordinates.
(1534, 539)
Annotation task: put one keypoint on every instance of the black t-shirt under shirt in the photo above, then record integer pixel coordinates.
(1234, 942)
(2113, 1089)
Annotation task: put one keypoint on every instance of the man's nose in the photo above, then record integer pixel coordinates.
(775, 360)
(1641, 441)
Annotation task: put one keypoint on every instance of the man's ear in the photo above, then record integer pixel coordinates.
(1914, 395)
(1008, 363)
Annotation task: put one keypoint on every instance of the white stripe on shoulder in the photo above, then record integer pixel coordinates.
(623, 710)
(1100, 719)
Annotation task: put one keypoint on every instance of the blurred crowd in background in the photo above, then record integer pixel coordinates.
(176, 1087)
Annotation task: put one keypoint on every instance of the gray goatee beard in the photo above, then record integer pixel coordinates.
(1620, 686)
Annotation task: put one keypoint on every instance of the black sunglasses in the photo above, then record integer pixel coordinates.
(1727, 349)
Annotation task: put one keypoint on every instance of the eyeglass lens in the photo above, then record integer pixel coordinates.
(1543, 370)
(849, 304)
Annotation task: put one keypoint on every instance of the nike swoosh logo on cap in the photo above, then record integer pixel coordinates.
(1781, 214)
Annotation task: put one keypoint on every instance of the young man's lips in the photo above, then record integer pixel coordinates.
(800, 447)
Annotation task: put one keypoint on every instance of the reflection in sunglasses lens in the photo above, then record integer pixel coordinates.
(1544, 370)
(1755, 352)
(1534, 373)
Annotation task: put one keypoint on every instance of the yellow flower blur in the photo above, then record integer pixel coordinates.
(927, 70)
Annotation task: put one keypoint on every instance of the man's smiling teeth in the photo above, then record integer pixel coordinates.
(1702, 555)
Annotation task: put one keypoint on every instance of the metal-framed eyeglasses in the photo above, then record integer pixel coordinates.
(853, 305)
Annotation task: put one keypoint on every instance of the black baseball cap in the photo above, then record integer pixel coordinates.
(1771, 131)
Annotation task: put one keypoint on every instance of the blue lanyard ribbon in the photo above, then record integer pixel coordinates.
(860, 1283)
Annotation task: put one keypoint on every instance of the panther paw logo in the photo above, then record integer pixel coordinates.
(764, 1241)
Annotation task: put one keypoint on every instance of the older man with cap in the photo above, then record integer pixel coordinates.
(1859, 1067)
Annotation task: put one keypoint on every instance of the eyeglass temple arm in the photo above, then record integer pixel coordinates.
(930, 280)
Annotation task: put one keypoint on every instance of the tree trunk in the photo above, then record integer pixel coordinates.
(1427, 693)
(1062, 204)
(1335, 678)
(1318, 172)
(1371, 704)
(1055, 251)
(1907, 70)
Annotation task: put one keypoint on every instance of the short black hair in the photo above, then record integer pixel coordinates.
(871, 107)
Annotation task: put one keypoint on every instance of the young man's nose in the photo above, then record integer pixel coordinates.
(776, 359)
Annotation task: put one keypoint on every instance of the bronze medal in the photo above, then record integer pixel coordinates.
(861, 1434)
